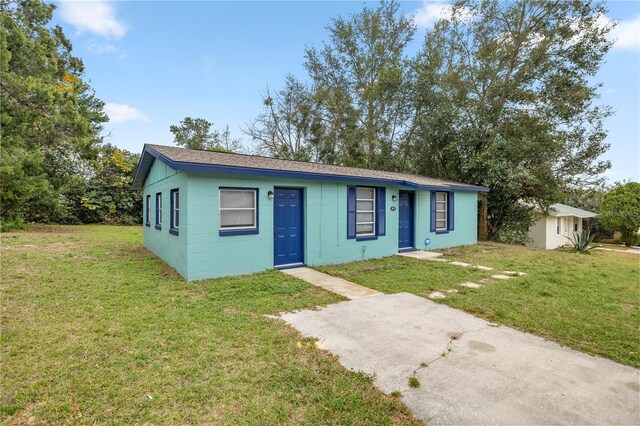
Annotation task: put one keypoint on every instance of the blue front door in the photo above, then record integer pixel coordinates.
(288, 227)
(405, 220)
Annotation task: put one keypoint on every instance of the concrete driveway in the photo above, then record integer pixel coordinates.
(470, 371)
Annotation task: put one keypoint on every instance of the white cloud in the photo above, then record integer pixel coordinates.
(95, 17)
(627, 34)
(431, 11)
(119, 113)
(98, 48)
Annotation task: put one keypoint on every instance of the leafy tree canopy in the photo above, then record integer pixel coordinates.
(501, 94)
(49, 116)
(620, 211)
(198, 133)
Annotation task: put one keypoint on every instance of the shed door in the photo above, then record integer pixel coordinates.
(288, 227)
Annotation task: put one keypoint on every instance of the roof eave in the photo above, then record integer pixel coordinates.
(144, 165)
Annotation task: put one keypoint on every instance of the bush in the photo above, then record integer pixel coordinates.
(631, 240)
(11, 224)
(620, 211)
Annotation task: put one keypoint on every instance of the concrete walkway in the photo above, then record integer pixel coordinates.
(632, 250)
(470, 371)
(336, 285)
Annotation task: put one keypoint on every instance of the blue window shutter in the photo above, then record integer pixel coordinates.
(450, 211)
(351, 212)
(381, 210)
(432, 223)
(171, 208)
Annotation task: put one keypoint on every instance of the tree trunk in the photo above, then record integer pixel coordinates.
(483, 231)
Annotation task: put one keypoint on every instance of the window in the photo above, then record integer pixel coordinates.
(147, 219)
(365, 211)
(441, 211)
(238, 211)
(575, 224)
(558, 225)
(175, 211)
(159, 210)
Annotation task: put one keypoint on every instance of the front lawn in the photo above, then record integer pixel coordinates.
(588, 302)
(95, 329)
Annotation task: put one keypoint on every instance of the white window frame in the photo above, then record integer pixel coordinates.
(445, 211)
(175, 194)
(576, 224)
(559, 221)
(221, 209)
(373, 232)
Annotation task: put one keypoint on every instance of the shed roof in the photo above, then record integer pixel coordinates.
(222, 162)
(560, 210)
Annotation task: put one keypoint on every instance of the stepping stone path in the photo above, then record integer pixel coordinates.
(436, 295)
(452, 290)
(483, 268)
(437, 257)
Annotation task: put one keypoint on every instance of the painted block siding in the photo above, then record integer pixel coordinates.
(203, 253)
(171, 248)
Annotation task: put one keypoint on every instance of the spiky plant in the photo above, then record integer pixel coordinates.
(582, 241)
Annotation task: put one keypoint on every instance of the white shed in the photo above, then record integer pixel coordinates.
(551, 231)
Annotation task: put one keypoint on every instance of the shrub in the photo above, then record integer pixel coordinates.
(620, 211)
(582, 241)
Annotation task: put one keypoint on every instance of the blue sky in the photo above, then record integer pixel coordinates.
(155, 63)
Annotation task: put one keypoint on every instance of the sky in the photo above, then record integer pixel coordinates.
(154, 63)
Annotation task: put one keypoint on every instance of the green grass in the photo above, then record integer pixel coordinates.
(590, 302)
(95, 329)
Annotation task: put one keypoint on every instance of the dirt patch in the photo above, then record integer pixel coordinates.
(168, 271)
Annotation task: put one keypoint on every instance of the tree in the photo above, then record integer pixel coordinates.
(229, 143)
(196, 133)
(49, 117)
(361, 85)
(504, 98)
(285, 128)
(104, 195)
(620, 211)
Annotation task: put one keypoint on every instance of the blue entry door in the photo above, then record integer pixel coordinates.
(288, 227)
(405, 220)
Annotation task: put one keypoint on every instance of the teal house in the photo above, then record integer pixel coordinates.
(210, 214)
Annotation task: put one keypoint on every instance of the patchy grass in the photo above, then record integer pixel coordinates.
(97, 330)
(590, 302)
(396, 274)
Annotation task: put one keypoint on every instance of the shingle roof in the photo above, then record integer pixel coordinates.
(559, 210)
(220, 162)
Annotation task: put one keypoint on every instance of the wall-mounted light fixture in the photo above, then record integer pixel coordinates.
(394, 197)
(270, 195)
